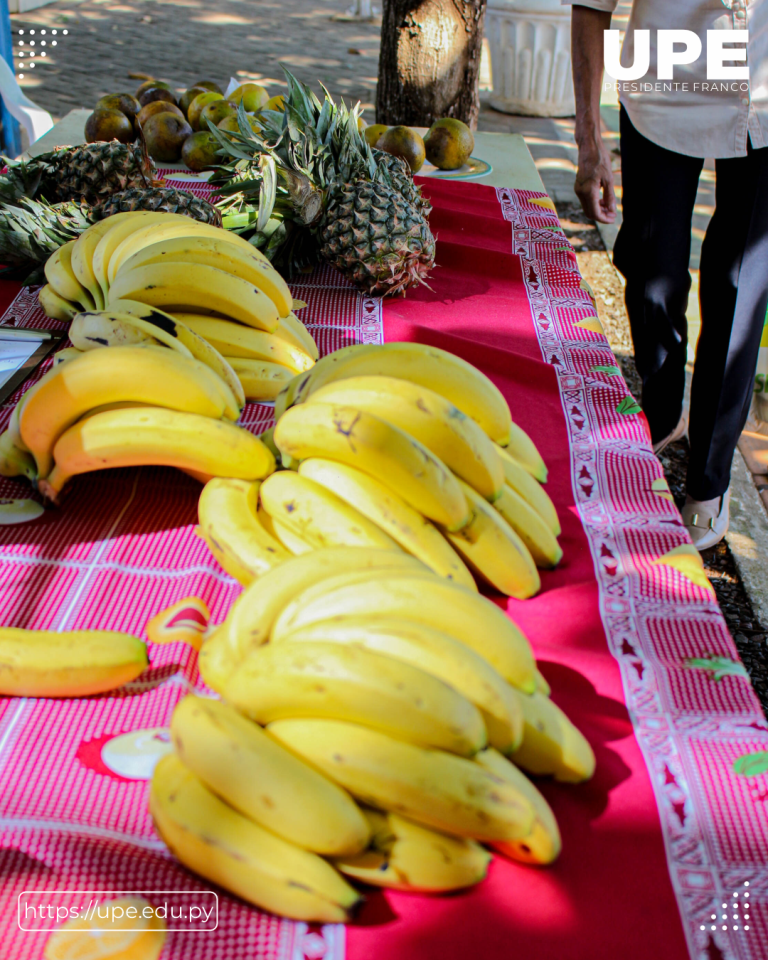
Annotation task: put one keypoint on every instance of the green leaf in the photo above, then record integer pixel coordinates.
(751, 764)
(611, 371)
(719, 666)
(628, 407)
(267, 193)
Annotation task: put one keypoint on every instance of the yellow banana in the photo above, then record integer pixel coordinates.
(220, 844)
(98, 328)
(112, 239)
(379, 449)
(541, 683)
(85, 247)
(407, 856)
(260, 379)
(156, 232)
(15, 462)
(551, 743)
(176, 334)
(434, 652)
(351, 683)
(73, 663)
(543, 844)
(54, 306)
(526, 486)
(439, 789)
(184, 288)
(67, 353)
(523, 450)
(155, 436)
(220, 253)
(230, 527)
(238, 340)
(317, 516)
(257, 776)
(135, 374)
(451, 435)
(285, 398)
(530, 527)
(491, 547)
(284, 536)
(379, 504)
(252, 616)
(60, 275)
(448, 375)
(423, 598)
(293, 330)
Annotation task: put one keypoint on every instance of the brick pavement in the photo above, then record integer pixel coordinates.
(182, 41)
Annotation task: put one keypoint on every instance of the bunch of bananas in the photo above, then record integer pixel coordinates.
(163, 278)
(402, 447)
(375, 723)
(129, 406)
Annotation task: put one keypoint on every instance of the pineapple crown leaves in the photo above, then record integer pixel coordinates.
(21, 179)
(31, 230)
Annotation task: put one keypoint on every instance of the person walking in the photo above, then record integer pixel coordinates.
(667, 131)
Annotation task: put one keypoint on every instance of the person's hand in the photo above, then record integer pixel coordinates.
(594, 183)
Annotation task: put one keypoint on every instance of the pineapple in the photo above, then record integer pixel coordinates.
(311, 168)
(165, 199)
(31, 230)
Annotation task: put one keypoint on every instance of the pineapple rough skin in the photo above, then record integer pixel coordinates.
(376, 238)
(164, 199)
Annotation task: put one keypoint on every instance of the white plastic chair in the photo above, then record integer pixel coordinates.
(34, 119)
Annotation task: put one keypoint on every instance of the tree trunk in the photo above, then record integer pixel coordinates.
(430, 61)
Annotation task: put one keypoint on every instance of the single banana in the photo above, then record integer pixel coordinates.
(530, 527)
(67, 353)
(551, 743)
(450, 434)
(73, 663)
(155, 436)
(156, 232)
(285, 398)
(448, 375)
(219, 252)
(439, 789)
(523, 450)
(98, 328)
(293, 543)
(293, 330)
(257, 776)
(387, 510)
(112, 239)
(60, 275)
(252, 616)
(526, 486)
(412, 595)
(407, 856)
(135, 374)
(259, 379)
(15, 462)
(174, 333)
(434, 652)
(543, 844)
(317, 516)
(238, 340)
(85, 247)
(379, 449)
(343, 682)
(492, 548)
(54, 306)
(220, 844)
(181, 288)
(229, 525)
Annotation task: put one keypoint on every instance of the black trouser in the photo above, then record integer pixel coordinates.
(652, 251)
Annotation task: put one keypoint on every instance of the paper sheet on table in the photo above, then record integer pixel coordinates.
(13, 354)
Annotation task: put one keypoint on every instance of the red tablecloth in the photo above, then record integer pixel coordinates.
(665, 832)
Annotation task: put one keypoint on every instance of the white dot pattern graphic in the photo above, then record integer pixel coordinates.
(29, 55)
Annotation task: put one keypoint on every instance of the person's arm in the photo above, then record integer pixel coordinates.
(594, 178)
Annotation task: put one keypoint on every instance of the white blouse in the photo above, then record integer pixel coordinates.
(691, 113)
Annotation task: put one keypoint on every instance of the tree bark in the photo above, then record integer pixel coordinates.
(429, 63)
